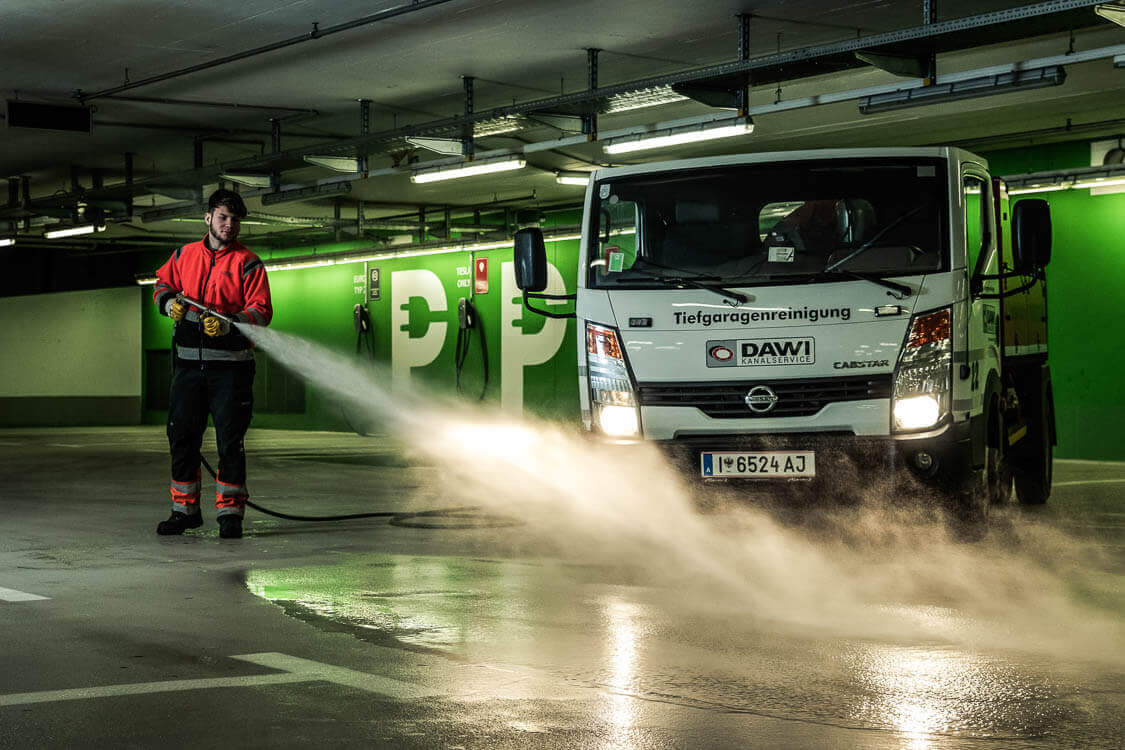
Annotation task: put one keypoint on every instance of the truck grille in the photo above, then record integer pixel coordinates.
(795, 398)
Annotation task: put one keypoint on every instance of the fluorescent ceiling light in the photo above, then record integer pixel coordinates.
(469, 169)
(1043, 189)
(1071, 179)
(7, 241)
(1098, 182)
(248, 179)
(572, 178)
(55, 234)
(335, 163)
(284, 265)
(244, 222)
(971, 88)
(146, 280)
(677, 136)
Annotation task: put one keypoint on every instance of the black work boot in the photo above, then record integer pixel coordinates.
(230, 527)
(177, 522)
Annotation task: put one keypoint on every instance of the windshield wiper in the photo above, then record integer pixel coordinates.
(696, 280)
(871, 242)
(903, 290)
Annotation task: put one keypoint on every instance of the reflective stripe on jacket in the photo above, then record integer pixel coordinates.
(231, 281)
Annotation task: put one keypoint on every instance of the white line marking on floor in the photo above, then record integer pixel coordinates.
(339, 675)
(1087, 481)
(293, 670)
(11, 595)
(143, 688)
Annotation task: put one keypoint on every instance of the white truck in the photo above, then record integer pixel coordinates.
(817, 316)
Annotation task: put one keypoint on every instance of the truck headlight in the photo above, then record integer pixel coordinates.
(923, 377)
(612, 397)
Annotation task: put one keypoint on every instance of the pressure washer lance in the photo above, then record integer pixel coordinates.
(460, 518)
(205, 311)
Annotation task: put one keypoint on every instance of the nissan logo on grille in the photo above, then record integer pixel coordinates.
(761, 399)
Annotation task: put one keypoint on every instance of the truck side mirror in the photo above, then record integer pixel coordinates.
(531, 260)
(1031, 235)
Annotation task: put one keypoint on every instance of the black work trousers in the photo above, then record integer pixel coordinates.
(224, 391)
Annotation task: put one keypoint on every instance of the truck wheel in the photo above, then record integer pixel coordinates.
(990, 485)
(1035, 469)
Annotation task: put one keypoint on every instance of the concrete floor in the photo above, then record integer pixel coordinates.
(857, 627)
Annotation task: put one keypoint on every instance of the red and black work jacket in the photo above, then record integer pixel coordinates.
(231, 281)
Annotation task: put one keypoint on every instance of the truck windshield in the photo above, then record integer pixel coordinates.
(797, 222)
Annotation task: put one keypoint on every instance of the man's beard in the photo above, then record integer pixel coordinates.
(218, 241)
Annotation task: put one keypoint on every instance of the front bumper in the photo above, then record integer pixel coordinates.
(936, 458)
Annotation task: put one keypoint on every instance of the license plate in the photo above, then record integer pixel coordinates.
(759, 464)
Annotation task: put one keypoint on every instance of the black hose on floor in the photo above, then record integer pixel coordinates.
(478, 520)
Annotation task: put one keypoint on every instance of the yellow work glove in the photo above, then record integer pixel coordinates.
(176, 309)
(213, 326)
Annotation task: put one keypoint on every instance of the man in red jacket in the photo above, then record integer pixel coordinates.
(213, 362)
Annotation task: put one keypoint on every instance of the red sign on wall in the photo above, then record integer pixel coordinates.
(480, 276)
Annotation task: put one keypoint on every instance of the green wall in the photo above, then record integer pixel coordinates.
(1084, 286)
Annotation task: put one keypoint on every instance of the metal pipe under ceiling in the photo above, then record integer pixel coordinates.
(316, 33)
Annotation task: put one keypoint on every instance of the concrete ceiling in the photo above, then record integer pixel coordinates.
(410, 66)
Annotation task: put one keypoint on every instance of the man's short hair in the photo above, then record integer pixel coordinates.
(229, 200)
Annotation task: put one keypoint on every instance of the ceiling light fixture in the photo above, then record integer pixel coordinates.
(56, 234)
(581, 179)
(971, 88)
(249, 179)
(1070, 179)
(1112, 12)
(726, 128)
(450, 146)
(468, 169)
(655, 96)
(7, 241)
(348, 164)
(306, 193)
(172, 213)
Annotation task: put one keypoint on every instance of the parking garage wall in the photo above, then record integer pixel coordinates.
(71, 358)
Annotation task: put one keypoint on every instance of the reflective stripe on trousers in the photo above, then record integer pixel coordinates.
(230, 499)
(185, 495)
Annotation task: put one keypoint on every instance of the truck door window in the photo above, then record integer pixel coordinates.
(978, 244)
(617, 235)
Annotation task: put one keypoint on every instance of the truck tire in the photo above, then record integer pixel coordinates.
(1034, 471)
(982, 488)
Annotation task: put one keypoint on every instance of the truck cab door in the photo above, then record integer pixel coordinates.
(982, 265)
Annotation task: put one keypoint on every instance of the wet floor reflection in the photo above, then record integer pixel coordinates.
(621, 645)
(628, 649)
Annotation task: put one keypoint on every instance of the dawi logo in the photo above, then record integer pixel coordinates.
(761, 352)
